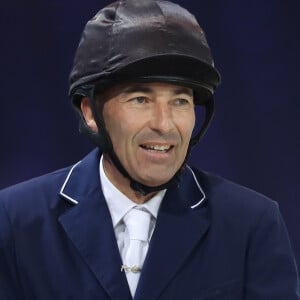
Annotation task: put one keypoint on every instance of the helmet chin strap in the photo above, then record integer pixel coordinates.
(103, 141)
(138, 186)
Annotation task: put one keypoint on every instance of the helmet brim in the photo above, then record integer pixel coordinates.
(175, 69)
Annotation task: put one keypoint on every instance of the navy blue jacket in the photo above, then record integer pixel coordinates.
(213, 240)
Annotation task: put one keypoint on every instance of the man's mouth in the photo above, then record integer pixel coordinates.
(158, 148)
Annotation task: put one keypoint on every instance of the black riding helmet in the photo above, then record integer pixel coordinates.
(142, 41)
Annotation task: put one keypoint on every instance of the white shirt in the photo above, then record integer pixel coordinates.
(119, 205)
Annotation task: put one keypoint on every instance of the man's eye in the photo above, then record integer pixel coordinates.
(181, 101)
(139, 100)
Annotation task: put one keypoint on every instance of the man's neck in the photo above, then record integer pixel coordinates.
(122, 183)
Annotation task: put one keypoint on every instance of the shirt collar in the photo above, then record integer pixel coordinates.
(119, 204)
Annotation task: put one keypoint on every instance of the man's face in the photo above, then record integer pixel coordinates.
(150, 125)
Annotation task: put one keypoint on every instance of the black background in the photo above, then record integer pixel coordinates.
(254, 138)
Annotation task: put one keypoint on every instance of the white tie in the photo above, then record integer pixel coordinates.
(137, 223)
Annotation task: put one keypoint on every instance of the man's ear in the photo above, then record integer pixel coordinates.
(88, 114)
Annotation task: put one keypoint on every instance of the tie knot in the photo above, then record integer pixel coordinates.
(137, 222)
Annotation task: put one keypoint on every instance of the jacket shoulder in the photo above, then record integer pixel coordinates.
(231, 199)
(44, 185)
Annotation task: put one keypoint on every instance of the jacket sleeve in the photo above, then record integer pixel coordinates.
(9, 282)
(271, 267)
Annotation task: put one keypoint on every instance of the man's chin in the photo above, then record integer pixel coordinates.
(153, 182)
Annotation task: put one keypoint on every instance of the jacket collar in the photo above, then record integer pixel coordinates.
(87, 172)
(182, 221)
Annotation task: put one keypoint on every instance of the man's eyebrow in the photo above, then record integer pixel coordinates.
(137, 89)
(184, 90)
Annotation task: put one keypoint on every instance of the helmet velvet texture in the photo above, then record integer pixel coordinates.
(142, 41)
(143, 38)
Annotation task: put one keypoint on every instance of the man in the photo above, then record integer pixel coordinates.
(133, 220)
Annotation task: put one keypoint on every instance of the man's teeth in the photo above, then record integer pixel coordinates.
(157, 148)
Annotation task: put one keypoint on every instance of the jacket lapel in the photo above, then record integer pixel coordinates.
(178, 230)
(88, 225)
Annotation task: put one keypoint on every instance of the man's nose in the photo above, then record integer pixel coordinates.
(162, 118)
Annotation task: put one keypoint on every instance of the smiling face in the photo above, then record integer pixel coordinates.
(150, 126)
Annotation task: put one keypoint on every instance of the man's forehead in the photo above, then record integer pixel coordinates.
(151, 87)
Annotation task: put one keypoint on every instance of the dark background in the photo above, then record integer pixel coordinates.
(254, 139)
